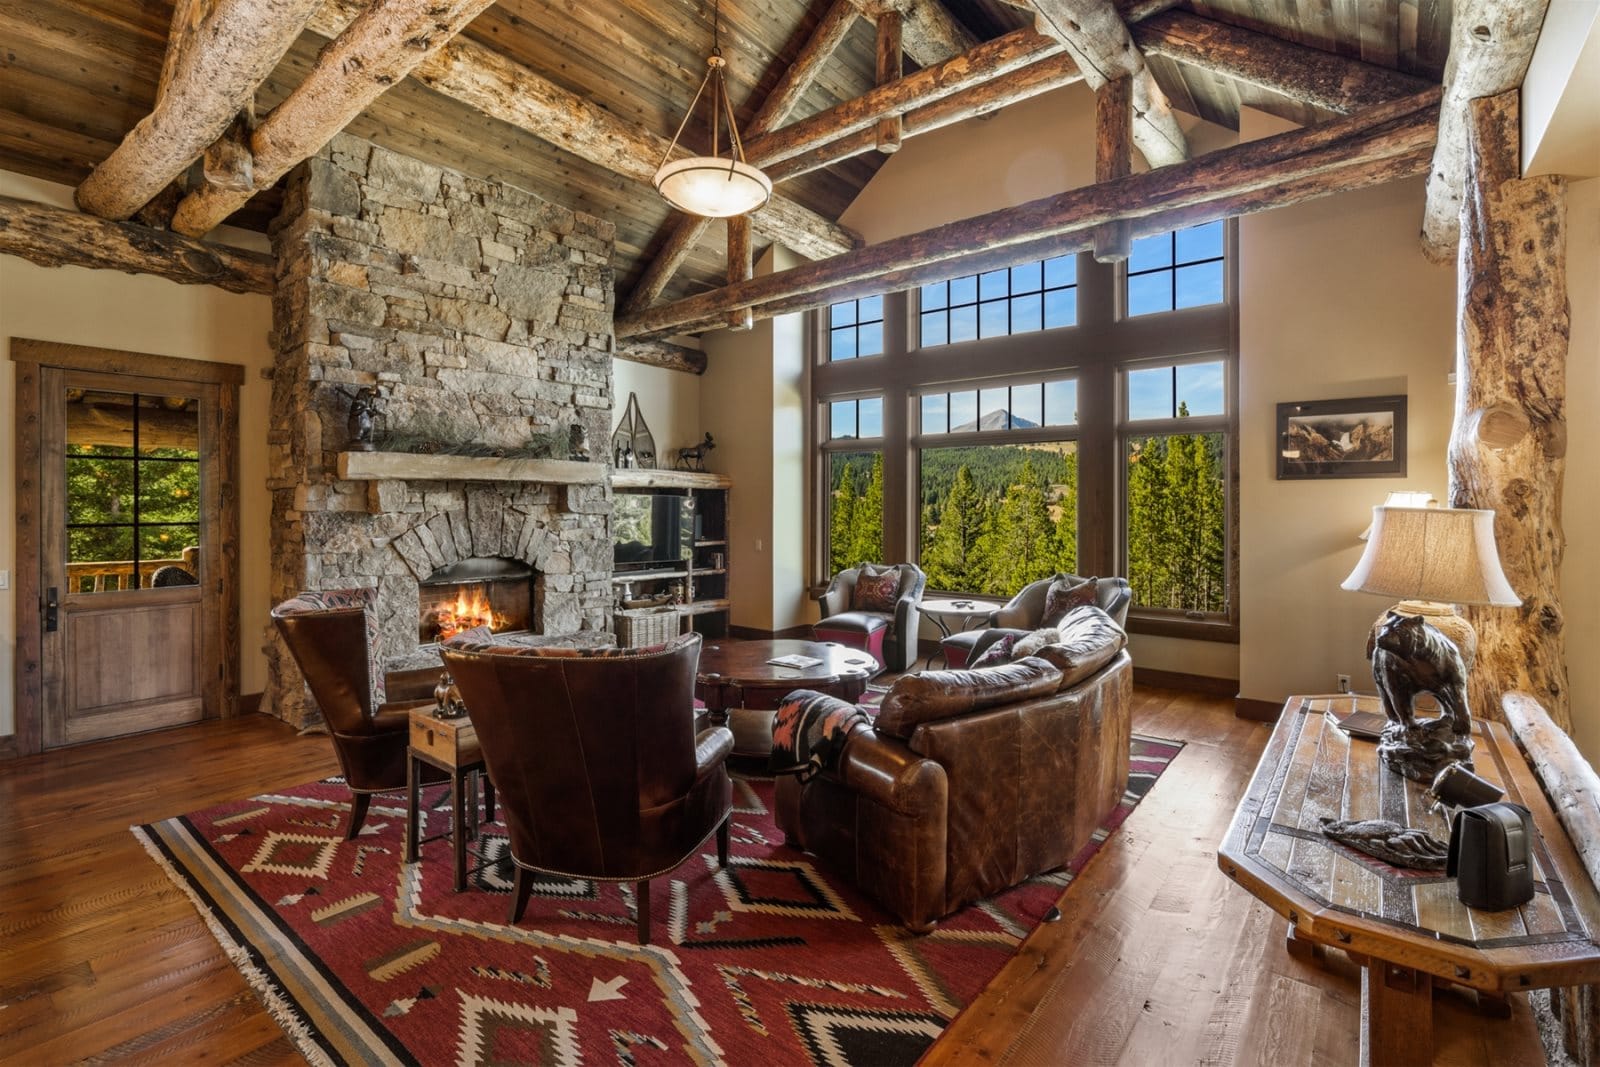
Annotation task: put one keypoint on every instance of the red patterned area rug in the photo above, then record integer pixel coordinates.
(365, 959)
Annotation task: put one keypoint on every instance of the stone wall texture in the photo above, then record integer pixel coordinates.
(479, 313)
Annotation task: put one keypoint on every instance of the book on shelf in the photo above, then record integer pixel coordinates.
(799, 663)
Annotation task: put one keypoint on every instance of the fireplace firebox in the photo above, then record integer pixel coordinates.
(497, 593)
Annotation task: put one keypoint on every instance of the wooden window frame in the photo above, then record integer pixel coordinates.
(1102, 342)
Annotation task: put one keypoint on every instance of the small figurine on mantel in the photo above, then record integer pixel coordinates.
(578, 443)
(359, 424)
(694, 459)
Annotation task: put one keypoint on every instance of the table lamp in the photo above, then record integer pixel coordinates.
(1432, 558)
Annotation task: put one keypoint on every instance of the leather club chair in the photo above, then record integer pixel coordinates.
(595, 758)
(889, 637)
(1024, 613)
(334, 639)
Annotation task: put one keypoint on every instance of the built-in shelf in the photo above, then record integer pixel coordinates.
(634, 478)
(416, 466)
(704, 607)
(708, 570)
(647, 576)
(709, 544)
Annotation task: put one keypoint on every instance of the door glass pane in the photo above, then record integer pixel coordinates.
(169, 426)
(132, 488)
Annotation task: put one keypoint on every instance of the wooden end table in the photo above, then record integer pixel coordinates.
(451, 745)
(1408, 929)
(741, 689)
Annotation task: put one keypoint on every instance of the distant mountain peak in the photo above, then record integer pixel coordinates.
(995, 420)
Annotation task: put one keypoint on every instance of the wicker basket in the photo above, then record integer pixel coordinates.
(646, 626)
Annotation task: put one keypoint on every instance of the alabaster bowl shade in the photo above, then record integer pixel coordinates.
(713, 187)
(1446, 555)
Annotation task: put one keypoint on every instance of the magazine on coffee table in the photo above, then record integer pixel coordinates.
(1364, 724)
(799, 663)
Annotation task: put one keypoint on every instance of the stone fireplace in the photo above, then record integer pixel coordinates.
(482, 316)
(480, 591)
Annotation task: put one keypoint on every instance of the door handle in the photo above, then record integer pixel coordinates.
(52, 610)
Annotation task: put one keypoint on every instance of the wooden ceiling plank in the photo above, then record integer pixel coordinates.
(471, 73)
(1386, 130)
(1095, 34)
(56, 237)
(685, 231)
(210, 74)
(384, 44)
(1329, 82)
(1491, 44)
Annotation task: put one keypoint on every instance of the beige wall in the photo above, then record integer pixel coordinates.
(752, 400)
(1580, 571)
(142, 314)
(669, 400)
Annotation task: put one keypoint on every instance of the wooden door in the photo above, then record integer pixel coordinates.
(135, 569)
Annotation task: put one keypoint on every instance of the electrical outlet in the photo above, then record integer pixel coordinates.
(1344, 683)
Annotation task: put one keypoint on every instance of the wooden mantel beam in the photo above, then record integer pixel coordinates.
(55, 237)
(1491, 45)
(1393, 130)
(683, 232)
(1098, 39)
(382, 46)
(506, 90)
(215, 60)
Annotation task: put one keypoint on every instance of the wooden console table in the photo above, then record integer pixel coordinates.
(1407, 929)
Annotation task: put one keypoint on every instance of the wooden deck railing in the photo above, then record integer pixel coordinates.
(104, 576)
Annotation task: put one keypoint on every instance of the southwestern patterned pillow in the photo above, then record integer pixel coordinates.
(999, 652)
(345, 600)
(1064, 594)
(876, 591)
(810, 731)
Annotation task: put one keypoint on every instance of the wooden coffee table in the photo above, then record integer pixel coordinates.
(741, 689)
(1408, 929)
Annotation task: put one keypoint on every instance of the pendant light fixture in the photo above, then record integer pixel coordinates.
(710, 185)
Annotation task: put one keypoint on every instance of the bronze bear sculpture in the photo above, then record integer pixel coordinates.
(1410, 658)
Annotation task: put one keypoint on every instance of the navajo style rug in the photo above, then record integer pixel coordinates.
(364, 959)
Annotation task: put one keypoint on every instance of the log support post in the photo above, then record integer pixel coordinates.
(891, 51)
(1509, 442)
(1113, 159)
(741, 268)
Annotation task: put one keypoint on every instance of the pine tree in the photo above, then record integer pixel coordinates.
(1022, 546)
(1067, 521)
(866, 534)
(950, 557)
(842, 522)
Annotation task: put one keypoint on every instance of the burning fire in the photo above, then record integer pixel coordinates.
(470, 609)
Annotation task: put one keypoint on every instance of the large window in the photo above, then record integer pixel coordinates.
(1044, 418)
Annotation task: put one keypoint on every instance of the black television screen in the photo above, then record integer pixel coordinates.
(651, 528)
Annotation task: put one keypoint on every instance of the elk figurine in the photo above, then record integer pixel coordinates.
(694, 459)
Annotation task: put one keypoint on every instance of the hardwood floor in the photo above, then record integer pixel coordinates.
(1159, 958)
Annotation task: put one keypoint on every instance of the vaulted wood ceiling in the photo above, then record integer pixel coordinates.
(76, 75)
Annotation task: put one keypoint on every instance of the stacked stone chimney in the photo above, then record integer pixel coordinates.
(480, 314)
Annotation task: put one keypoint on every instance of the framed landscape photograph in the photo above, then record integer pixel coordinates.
(1364, 437)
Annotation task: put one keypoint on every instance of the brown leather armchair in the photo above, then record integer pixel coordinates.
(596, 761)
(333, 638)
(969, 782)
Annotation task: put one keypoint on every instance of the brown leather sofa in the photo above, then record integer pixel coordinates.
(596, 761)
(969, 782)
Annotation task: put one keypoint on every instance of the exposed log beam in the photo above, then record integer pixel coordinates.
(211, 74)
(987, 61)
(662, 354)
(1400, 128)
(55, 237)
(1098, 39)
(741, 267)
(890, 67)
(504, 89)
(382, 46)
(684, 231)
(1333, 83)
(1113, 159)
(1359, 174)
(931, 33)
(1509, 444)
(1491, 44)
